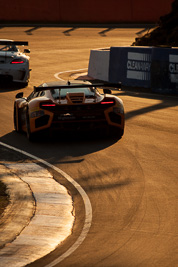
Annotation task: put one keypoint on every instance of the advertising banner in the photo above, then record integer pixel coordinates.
(131, 66)
(164, 70)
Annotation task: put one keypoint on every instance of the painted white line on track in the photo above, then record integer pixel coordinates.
(87, 203)
(56, 75)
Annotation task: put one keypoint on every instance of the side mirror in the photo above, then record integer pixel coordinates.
(19, 95)
(107, 91)
(26, 51)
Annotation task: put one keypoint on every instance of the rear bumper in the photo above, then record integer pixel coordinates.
(79, 122)
(79, 125)
(17, 75)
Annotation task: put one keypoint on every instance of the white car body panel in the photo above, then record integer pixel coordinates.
(16, 72)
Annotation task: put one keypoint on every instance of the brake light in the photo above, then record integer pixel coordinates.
(17, 61)
(48, 105)
(107, 102)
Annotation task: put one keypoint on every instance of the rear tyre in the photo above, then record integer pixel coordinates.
(116, 133)
(30, 136)
(25, 84)
(15, 119)
(17, 126)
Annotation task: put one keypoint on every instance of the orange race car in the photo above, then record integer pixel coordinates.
(69, 106)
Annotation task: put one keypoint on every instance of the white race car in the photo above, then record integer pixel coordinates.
(14, 64)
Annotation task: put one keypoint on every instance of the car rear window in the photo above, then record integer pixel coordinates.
(89, 92)
(5, 48)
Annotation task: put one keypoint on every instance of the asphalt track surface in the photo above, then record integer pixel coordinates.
(131, 183)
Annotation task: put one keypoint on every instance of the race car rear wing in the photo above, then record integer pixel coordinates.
(9, 42)
(77, 86)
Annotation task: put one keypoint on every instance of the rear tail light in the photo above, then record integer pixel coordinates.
(108, 102)
(48, 105)
(17, 61)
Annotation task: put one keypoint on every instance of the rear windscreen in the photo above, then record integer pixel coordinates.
(5, 48)
(56, 93)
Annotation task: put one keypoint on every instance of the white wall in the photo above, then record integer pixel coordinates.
(99, 64)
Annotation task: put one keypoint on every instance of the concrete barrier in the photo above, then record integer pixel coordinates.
(146, 67)
(130, 66)
(99, 64)
(164, 70)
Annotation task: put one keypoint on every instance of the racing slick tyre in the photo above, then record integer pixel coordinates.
(17, 125)
(116, 133)
(25, 84)
(30, 136)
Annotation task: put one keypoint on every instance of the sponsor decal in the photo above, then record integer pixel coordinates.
(37, 113)
(173, 68)
(67, 116)
(138, 66)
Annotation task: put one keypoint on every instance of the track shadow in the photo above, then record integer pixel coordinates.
(67, 32)
(74, 26)
(57, 148)
(30, 31)
(166, 101)
(10, 86)
(103, 33)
